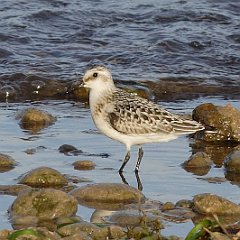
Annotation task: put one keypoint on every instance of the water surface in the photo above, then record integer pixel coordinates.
(184, 52)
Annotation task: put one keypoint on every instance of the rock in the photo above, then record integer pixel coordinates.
(83, 230)
(225, 121)
(198, 160)
(44, 177)
(84, 165)
(6, 162)
(184, 203)
(167, 206)
(20, 222)
(45, 204)
(232, 162)
(34, 119)
(78, 236)
(61, 221)
(4, 234)
(199, 164)
(112, 232)
(36, 233)
(82, 227)
(108, 196)
(130, 218)
(13, 189)
(216, 151)
(212, 204)
(232, 167)
(69, 150)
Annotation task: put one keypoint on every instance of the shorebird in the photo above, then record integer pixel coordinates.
(130, 119)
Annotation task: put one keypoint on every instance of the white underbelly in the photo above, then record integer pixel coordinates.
(133, 139)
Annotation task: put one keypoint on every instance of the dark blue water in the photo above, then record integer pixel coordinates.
(137, 40)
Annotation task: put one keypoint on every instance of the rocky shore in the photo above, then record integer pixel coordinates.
(47, 201)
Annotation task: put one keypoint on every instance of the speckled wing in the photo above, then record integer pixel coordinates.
(134, 115)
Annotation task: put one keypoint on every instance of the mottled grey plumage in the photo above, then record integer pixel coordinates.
(135, 115)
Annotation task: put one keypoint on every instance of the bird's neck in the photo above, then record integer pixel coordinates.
(96, 95)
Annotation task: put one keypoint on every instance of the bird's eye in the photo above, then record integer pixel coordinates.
(95, 75)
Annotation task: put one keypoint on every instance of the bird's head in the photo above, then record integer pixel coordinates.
(98, 78)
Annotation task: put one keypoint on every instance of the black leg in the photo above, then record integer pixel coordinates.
(140, 155)
(123, 178)
(127, 157)
(139, 183)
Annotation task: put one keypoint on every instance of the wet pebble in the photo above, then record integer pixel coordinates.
(232, 162)
(34, 119)
(43, 204)
(184, 203)
(13, 189)
(35, 233)
(4, 233)
(199, 164)
(167, 206)
(41, 87)
(84, 165)
(68, 149)
(224, 121)
(20, 222)
(198, 160)
(85, 230)
(212, 204)
(130, 218)
(81, 228)
(6, 162)
(62, 221)
(78, 236)
(44, 177)
(108, 196)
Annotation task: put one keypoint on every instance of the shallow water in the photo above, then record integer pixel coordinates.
(184, 52)
(161, 173)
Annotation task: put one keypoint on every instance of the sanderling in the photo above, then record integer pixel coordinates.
(130, 119)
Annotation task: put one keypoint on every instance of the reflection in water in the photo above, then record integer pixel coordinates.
(139, 183)
(217, 151)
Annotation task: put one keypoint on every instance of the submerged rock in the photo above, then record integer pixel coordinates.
(232, 167)
(109, 196)
(217, 151)
(198, 160)
(84, 165)
(78, 236)
(224, 120)
(85, 230)
(68, 149)
(212, 204)
(44, 177)
(44, 204)
(130, 218)
(36, 233)
(232, 162)
(13, 189)
(199, 164)
(82, 228)
(34, 119)
(6, 162)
